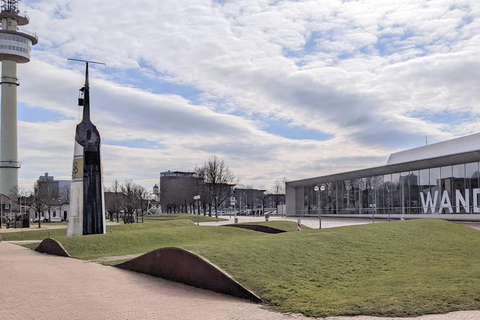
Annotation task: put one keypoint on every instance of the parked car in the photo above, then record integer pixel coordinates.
(41, 219)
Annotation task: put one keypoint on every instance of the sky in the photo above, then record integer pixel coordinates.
(275, 88)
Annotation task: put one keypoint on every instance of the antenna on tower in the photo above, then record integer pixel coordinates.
(10, 6)
(86, 68)
(86, 61)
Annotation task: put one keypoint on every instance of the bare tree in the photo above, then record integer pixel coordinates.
(132, 200)
(41, 198)
(114, 200)
(217, 180)
(17, 195)
(278, 186)
(142, 194)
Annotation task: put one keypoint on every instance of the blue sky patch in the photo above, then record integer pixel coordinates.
(136, 143)
(37, 115)
(388, 43)
(465, 21)
(444, 117)
(154, 84)
(284, 129)
(311, 43)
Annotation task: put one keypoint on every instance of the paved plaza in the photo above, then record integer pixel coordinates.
(40, 286)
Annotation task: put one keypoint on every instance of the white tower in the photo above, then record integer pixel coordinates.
(15, 47)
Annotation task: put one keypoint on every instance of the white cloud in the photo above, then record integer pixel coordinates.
(364, 72)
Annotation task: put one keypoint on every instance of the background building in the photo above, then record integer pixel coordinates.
(55, 195)
(273, 200)
(249, 201)
(439, 180)
(9, 208)
(177, 189)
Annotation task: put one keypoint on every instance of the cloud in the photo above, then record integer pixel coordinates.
(188, 79)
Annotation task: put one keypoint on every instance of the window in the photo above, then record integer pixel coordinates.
(446, 185)
(471, 180)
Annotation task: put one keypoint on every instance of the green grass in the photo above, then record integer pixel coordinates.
(191, 217)
(403, 268)
(400, 268)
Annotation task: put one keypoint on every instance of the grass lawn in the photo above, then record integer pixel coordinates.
(401, 268)
(176, 216)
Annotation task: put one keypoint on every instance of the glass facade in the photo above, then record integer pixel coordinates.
(452, 189)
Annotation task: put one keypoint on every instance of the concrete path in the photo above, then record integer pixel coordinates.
(45, 226)
(311, 222)
(39, 286)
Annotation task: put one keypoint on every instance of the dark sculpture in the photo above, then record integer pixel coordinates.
(88, 171)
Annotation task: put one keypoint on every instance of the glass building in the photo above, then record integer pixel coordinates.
(438, 180)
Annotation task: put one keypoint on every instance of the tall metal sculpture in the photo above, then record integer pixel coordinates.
(87, 208)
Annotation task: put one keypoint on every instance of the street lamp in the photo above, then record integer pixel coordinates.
(197, 197)
(317, 189)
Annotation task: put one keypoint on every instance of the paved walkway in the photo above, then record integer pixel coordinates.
(45, 226)
(311, 222)
(39, 286)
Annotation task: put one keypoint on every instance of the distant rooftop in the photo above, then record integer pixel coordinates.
(176, 174)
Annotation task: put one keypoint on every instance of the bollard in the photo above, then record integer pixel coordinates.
(299, 225)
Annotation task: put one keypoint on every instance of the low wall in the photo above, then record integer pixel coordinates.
(258, 228)
(186, 267)
(52, 246)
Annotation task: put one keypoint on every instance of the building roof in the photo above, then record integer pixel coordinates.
(442, 154)
(176, 174)
(444, 148)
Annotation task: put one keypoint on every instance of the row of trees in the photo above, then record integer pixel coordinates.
(213, 182)
(127, 199)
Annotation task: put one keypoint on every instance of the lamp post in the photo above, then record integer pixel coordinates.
(319, 206)
(197, 197)
(156, 195)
